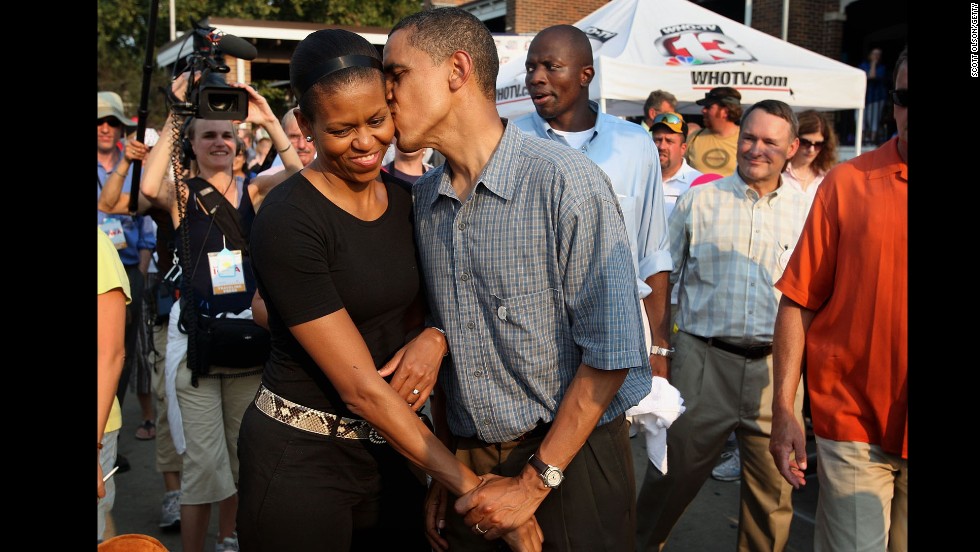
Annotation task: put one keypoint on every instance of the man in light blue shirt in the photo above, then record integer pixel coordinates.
(133, 237)
(559, 70)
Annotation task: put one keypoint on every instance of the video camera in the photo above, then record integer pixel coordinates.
(212, 98)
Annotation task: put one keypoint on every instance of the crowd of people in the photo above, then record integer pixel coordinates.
(391, 318)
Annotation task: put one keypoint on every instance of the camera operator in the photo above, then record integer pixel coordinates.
(211, 410)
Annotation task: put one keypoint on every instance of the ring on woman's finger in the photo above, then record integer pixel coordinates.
(476, 527)
(415, 391)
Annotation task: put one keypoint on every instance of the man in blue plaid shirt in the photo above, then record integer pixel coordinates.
(529, 271)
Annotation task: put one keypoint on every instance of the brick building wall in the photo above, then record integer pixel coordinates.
(530, 16)
(232, 75)
(816, 25)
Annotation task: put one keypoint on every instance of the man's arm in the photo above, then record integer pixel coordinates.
(505, 503)
(788, 345)
(655, 264)
(657, 306)
(113, 200)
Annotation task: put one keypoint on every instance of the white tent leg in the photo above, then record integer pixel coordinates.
(859, 132)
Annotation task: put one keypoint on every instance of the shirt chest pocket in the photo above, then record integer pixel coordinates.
(528, 328)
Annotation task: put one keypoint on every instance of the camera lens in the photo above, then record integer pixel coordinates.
(222, 102)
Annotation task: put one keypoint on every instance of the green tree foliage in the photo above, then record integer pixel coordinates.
(123, 30)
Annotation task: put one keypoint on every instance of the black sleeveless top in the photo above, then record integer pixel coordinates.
(206, 237)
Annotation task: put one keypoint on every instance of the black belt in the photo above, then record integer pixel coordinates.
(539, 430)
(753, 353)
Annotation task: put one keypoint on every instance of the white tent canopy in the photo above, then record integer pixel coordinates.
(675, 45)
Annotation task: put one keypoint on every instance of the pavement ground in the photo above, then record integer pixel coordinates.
(709, 525)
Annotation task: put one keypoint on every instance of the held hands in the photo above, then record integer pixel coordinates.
(502, 504)
(435, 516)
(787, 437)
(528, 537)
(416, 367)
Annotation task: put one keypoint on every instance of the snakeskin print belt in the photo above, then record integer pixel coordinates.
(314, 421)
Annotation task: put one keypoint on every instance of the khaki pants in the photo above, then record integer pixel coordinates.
(863, 503)
(722, 392)
(167, 459)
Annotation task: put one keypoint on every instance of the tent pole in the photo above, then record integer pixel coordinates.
(748, 13)
(602, 105)
(786, 20)
(859, 132)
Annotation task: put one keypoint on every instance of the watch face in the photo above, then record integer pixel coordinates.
(553, 477)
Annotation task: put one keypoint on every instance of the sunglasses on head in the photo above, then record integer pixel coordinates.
(113, 122)
(805, 144)
(668, 118)
(900, 97)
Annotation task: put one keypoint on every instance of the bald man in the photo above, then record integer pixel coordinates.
(559, 70)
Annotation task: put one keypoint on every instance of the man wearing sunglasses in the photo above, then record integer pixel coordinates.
(844, 306)
(134, 239)
(559, 70)
(669, 131)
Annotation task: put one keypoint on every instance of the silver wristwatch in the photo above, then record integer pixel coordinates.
(655, 350)
(552, 476)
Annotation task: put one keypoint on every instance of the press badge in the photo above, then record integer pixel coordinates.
(226, 271)
(113, 228)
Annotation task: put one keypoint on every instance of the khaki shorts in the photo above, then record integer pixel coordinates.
(212, 414)
(167, 458)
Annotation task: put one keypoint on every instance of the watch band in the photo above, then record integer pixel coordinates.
(551, 476)
(662, 351)
(537, 464)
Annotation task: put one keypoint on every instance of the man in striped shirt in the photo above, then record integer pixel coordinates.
(730, 241)
(528, 268)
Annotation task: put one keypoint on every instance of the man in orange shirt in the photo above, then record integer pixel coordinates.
(856, 346)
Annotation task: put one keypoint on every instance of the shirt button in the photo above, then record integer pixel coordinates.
(502, 313)
(465, 276)
(461, 226)
(478, 373)
(486, 421)
(470, 325)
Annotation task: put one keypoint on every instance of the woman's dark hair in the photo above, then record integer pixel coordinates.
(813, 121)
(313, 71)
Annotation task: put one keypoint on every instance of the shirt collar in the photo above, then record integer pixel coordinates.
(741, 189)
(887, 161)
(499, 176)
(544, 129)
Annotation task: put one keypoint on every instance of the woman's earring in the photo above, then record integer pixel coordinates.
(309, 138)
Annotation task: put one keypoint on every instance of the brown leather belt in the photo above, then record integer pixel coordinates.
(752, 353)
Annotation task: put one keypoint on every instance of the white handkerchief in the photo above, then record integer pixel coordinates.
(654, 414)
